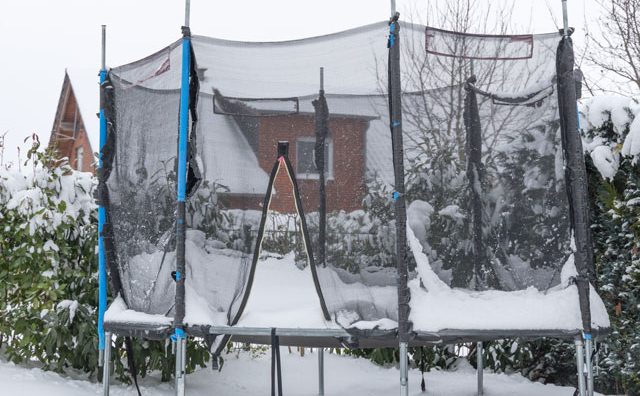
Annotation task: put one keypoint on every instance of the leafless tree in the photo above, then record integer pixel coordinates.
(615, 48)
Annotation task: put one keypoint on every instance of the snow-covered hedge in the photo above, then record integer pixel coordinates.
(611, 131)
(48, 272)
(611, 136)
(47, 264)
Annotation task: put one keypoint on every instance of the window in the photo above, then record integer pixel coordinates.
(79, 158)
(306, 158)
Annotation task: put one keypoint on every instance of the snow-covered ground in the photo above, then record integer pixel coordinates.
(246, 375)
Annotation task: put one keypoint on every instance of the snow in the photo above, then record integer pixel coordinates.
(283, 295)
(419, 217)
(623, 113)
(119, 313)
(227, 157)
(631, 146)
(50, 245)
(47, 197)
(600, 109)
(452, 211)
(71, 305)
(244, 374)
(436, 307)
(606, 161)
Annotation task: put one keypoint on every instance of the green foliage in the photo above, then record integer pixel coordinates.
(424, 358)
(617, 240)
(48, 279)
(47, 262)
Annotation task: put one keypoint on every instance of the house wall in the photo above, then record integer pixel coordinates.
(69, 132)
(82, 140)
(345, 190)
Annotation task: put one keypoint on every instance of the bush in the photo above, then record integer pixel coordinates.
(48, 274)
(47, 264)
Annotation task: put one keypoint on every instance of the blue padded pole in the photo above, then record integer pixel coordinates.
(184, 120)
(182, 182)
(179, 337)
(182, 187)
(102, 268)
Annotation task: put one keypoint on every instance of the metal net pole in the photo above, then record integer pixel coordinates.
(321, 371)
(582, 390)
(395, 121)
(102, 266)
(107, 365)
(480, 368)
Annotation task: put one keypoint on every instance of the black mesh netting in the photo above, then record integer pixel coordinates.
(292, 223)
(486, 171)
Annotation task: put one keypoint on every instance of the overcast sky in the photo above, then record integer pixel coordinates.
(40, 38)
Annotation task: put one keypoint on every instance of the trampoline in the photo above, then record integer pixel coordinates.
(368, 188)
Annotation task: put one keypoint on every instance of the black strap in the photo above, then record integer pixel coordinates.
(276, 369)
(423, 385)
(133, 371)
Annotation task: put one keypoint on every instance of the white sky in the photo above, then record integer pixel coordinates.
(40, 38)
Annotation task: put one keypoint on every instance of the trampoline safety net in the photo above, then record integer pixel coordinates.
(291, 218)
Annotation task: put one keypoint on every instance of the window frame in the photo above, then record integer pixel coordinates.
(79, 158)
(328, 173)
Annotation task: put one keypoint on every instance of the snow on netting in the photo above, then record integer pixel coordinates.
(223, 209)
(141, 184)
(485, 176)
(291, 223)
(242, 267)
(339, 156)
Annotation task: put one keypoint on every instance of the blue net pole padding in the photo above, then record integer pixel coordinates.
(102, 267)
(182, 184)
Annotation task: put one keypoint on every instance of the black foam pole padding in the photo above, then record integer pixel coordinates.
(278, 366)
(473, 149)
(107, 153)
(322, 129)
(576, 176)
(273, 362)
(193, 180)
(180, 265)
(194, 175)
(395, 120)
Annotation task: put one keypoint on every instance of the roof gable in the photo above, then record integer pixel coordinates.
(68, 125)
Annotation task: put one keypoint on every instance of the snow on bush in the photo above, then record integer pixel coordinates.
(610, 130)
(47, 263)
(48, 273)
(611, 136)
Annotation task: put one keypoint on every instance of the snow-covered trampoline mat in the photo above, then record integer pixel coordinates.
(290, 210)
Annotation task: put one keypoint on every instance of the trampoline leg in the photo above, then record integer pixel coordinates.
(100, 357)
(181, 360)
(480, 368)
(106, 364)
(321, 371)
(580, 363)
(588, 346)
(404, 369)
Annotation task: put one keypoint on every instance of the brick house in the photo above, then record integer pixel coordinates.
(237, 147)
(69, 137)
(345, 162)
